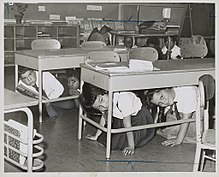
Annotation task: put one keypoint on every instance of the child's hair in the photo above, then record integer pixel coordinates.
(22, 70)
(73, 73)
(100, 35)
(89, 95)
(105, 29)
(148, 95)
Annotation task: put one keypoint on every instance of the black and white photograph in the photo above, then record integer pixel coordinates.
(66, 67)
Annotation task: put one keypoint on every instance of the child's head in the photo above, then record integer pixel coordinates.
(128, 42)
(73, 79)
(73, 83)
(160, 97)
(141, 42)
(173, 41)
(28, 76)
(94, 97)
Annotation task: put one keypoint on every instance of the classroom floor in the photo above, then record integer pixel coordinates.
(65, 153)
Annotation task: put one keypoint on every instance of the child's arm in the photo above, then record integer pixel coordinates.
(98, 133)
(181, 134)
(131, 148)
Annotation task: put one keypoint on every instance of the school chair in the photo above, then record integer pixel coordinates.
(143, 53)
(205, 134)
(45, 44)
(194, 47)
(194, 51)
(102, 56)
(93, 44)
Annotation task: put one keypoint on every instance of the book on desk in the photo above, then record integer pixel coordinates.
(28, 92)
(122, 66)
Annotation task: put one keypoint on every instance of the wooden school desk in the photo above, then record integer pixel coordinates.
(14, 102)
(45, 60)
(133, 35)
(172, 73)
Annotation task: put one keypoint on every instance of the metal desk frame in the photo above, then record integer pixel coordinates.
(134, 35)
(45, 60)
(172, 73)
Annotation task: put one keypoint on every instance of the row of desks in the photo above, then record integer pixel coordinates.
(171, 73)
(44, 60)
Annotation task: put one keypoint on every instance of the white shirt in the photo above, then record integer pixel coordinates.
(125, 104)
(186, 98)
(52, 87)
(175, 51)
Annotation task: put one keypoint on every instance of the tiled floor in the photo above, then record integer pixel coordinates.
(65, 153)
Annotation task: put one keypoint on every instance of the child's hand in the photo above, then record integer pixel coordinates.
(171, 142)
(73, 92)
(90, 137)
(128, 151)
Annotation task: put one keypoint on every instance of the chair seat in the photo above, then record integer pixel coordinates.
(209, 137)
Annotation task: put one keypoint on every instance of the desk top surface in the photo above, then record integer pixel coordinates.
(14, 100)
(69, 52)
(169, 66)
(134, 34)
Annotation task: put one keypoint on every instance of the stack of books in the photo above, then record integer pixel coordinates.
(172, 29)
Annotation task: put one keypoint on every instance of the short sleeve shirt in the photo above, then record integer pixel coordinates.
(186, 98)
(125, 104)
(175, 51)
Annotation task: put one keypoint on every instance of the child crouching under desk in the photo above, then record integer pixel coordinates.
(128, 111)
(184, 100)
(71, 82)
(51, 88)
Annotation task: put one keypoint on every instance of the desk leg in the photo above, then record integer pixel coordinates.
(40, 96)
(114, 39)
(16, 76)
(133, 41)
(80, 121)
(168, 52)
(109, 123)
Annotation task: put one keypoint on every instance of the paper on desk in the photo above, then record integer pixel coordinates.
(119, 67)
(106, 65)
(127, 70)
(141, 65)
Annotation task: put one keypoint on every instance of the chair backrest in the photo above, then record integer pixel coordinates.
(193, 47)
(45, 44)
(143, 53)
(206, 93)
(100, 56)
(93, 44)
(194, 51)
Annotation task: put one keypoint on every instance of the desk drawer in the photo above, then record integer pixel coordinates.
(95, 78)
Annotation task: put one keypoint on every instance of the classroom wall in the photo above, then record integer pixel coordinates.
(109, 10)
(203, 19)
(203, 14)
